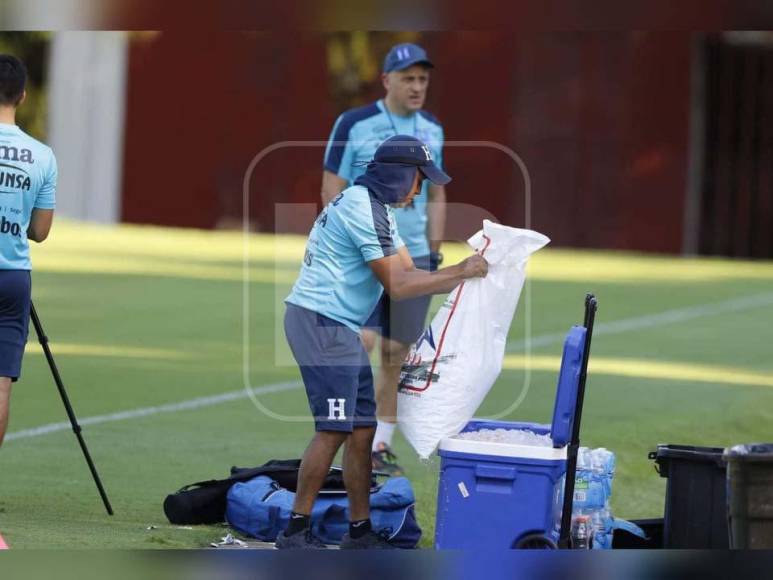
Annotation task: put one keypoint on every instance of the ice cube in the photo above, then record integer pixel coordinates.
(512, 436)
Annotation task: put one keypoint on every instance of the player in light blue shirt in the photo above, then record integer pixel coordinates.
(354, 253)
(363, 130)
(27, 200)
(28, 175)
(353, 141)
(336, 281)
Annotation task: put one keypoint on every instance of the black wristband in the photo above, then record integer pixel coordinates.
(435, 259)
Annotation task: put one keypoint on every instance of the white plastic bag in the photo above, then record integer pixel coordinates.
(453, 365)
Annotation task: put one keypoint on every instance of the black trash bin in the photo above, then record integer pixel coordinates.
(695, 514)
(750, 495)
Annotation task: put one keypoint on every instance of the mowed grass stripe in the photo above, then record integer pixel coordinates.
(625, 367)
(221, 254)
(191, 404)
(636, 323)
(647, 369)
(106, 350)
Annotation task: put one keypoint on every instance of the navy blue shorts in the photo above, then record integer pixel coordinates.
(401, 320)
(335, 369)
(15, 299)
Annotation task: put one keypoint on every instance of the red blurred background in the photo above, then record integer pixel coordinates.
(652, 141)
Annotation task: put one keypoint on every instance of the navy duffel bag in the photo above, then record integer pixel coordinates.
(261, 508)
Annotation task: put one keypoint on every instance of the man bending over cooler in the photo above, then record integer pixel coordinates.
(354, 252)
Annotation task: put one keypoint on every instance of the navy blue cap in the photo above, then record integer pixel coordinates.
(408, 150)
(402, 56)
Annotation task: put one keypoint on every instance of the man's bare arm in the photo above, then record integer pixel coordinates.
(40, 224)
(332, 185)
(401, 281)
(436, 216)
(405, 258)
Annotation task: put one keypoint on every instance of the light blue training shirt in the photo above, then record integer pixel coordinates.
(355, 137)
(27, 181)
(335, 279)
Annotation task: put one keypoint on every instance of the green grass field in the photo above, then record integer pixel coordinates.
(141, 317)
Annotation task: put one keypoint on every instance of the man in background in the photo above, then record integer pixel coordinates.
(354, 139)
(27, 198)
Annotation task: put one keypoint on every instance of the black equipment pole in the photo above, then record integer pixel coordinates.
(43, 339)
(574, 444)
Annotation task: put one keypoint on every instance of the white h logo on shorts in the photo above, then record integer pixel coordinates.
(336, 409)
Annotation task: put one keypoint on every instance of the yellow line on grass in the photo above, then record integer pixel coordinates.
(217, 255)
(139, 266)
(82, 238)
(648, 369)
(113, 351)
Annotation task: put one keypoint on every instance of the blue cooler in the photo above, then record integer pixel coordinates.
(501, 495)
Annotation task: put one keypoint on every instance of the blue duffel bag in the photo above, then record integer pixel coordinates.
(260, 508)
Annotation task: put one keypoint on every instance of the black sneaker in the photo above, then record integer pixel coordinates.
(383, 460)
(300, 541)
(370, 541)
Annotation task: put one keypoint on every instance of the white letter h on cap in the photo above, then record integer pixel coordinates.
(336, 409)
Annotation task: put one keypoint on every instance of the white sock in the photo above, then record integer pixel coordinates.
(384, 433)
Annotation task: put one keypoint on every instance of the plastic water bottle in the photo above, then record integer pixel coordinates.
(598, 524)
(581, 532)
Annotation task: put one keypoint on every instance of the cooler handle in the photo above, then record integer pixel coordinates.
(495, 472)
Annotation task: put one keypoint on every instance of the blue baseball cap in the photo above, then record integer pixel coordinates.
(408, 150)
(402, 56)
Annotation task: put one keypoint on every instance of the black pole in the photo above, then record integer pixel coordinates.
(574, 444)
(43, 339)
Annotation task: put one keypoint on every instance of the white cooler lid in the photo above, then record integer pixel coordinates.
(502, 449)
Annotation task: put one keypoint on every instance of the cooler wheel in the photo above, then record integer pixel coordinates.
(535, 542)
